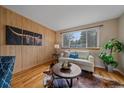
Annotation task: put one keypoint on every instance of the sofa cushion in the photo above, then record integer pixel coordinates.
(83, 54)
(83, 62)
(78, 61)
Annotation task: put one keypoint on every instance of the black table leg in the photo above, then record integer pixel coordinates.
(70, 82)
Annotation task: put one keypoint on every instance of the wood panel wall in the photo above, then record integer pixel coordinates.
(26, 56)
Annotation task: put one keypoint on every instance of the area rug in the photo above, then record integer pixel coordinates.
(88, 80)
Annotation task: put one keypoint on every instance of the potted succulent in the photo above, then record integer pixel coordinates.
(108, 52)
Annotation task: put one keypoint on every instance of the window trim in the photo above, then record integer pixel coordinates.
(97, 29)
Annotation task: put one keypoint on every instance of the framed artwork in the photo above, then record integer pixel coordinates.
(38, 39)
(13, 36)
(16, 36)
(28, 38)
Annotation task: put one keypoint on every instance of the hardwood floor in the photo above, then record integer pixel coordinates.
(33, 77)
(115, 76)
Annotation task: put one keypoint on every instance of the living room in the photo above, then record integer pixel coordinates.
(40, 42)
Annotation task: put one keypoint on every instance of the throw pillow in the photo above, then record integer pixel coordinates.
(73, 55)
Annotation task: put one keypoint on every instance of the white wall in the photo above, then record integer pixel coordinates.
(121, 38)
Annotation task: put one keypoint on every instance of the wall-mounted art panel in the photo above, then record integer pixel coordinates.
(28, 38)
(16, 36)
(13, 35)
(38, 39)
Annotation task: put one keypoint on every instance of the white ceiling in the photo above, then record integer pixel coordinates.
(59, 17)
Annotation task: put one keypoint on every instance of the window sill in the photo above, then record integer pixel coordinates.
(83, 48)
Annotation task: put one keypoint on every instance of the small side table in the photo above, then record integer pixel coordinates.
(56, 57)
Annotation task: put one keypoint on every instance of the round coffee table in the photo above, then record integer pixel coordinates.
(75, 71)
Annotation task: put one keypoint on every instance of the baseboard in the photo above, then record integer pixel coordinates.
(34, 66)
(50, 60)
(99, 66)
(119, 71)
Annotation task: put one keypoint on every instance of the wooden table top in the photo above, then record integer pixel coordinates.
(75, 70)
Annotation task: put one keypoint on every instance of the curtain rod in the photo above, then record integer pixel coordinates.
(82, 29)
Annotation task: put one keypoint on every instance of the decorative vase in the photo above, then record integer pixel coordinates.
(66, 65)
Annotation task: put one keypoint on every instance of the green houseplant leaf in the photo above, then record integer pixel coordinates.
(107, 53)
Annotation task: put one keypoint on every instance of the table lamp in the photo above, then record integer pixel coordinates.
(56, 46)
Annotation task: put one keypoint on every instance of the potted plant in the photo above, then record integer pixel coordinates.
(108, 52)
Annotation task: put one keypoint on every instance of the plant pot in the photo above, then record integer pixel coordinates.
(109, 68)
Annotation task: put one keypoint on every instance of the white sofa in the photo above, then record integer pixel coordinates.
(84, 60)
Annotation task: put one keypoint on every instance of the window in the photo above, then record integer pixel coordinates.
(88, 38)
